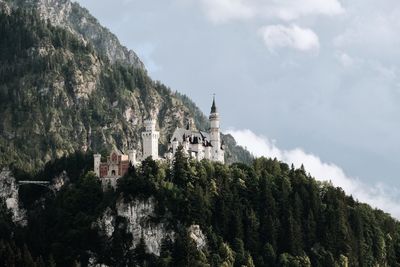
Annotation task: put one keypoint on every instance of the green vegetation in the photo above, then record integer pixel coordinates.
(264, 214)
(60, 96)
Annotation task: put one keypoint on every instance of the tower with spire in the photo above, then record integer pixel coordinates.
(217, 152)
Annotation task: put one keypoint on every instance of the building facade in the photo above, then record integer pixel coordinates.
(199, 144)
(116, 166)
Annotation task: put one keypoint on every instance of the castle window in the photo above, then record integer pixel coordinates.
(114, 157)
(113, 172)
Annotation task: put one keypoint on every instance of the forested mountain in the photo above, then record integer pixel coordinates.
(196, 214)
(68, 89)
(75, 88)
(78, 21)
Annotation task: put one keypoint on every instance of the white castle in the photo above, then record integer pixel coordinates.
(196, 144)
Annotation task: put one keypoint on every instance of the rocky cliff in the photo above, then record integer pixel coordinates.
(77, 20)
(140, 221)
(138, 216)
(9, 193)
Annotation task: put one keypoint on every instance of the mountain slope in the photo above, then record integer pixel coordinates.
(77, 20)
(62, 94)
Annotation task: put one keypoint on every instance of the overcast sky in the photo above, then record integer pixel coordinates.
(314, 81)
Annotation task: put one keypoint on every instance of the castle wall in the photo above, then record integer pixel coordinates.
(123, 168)
(103, 170)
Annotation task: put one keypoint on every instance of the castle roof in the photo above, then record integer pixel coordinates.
(205, 135)
(195, 137)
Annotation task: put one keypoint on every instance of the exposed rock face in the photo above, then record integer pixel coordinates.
(78, 20)
(85, 81)
(107, 223)
(92, 263)
(4, 7)
(9, 192)
(96, 265)
(59, 181)
(138, 215)
(198, 237)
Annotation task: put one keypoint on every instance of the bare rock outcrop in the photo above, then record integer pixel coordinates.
(9, 193)
(139, 217)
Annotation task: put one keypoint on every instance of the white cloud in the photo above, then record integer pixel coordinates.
(376, 26)
(278, 36)
(345, 60)
(378, 195)
(227, 10)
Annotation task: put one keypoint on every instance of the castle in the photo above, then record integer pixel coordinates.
(196, 144)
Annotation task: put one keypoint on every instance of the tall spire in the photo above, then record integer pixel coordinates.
(213, 107)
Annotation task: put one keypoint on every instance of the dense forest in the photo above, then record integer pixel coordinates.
(264, 214)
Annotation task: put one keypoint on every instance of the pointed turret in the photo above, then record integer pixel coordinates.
(213, 107)
(214, 113)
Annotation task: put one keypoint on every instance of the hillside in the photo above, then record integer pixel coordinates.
(78, 21)
(76, 88)
(69, 89)
(195, 214)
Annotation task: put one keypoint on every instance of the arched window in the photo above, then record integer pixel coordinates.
(114, 157)
(113, 172)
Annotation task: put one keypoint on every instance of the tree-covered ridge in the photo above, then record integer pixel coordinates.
(62, 95)
(79, 22)
(264, 214)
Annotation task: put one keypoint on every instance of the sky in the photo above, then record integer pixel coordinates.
(306, 81)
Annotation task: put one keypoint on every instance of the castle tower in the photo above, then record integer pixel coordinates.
(217, 154)
(132, 157)
(97, 159)
(150, 139)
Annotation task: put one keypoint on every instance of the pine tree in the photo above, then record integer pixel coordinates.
(27, 259)
(180, 168)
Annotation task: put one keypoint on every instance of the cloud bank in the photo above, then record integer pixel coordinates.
(278, 36)
(275, 36)
(220, 11)
(378, 196)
